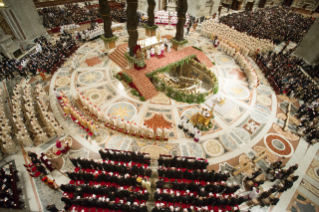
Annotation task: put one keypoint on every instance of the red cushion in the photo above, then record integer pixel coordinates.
(37, 174)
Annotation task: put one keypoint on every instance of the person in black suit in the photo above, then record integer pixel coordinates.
(41, 169)
(160, 183)
(74, 161)
(32, 154)
(52, 208)
(68, 202)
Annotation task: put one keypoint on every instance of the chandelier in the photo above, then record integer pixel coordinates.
(1, 3)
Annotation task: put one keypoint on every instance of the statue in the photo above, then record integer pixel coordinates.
(132, 22)
(150, 12)
(181, 14)
(105, 13)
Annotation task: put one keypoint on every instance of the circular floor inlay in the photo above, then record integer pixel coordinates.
(63, 81)
(90, 77)
(224, 60)
(213, 147)
(278, 145)
(265, 100)
(95, 96)
(122, 110)
(237, 91)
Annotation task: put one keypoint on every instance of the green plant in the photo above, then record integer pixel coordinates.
(179, 42)
(142, 98)
(135, 92)
(127, 78)
(205, 128)
(118, 76)
(151, 28)
(197, 48)
(114, 38)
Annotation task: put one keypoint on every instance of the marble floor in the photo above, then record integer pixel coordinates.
(250, 121)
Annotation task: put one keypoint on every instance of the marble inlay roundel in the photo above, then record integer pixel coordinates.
(237, 91)
(278, 145)
(90, 77)
(265, 100)
(95, 96)
(62, 81)
(213, 148)
(224, 60)
(122, 110)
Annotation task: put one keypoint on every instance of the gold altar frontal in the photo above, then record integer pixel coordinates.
(199, 118)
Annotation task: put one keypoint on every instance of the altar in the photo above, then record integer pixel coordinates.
(148, 43)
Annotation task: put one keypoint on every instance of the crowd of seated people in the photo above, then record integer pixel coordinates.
(69, 14)
(182, 162)
(308, 114)
(125, 156)
(9, 193)
(119, 15)
(284, 69)
(107, 184)
(196, 196)
(186, 174)
(313, 71)
(274, 23)
(47, 58)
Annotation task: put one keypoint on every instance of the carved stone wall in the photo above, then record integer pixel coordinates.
(5, 26)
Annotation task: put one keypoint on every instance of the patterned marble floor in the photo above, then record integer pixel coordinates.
(249, 121)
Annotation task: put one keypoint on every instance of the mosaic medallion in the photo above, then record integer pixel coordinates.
(90, 77)
(263, 99)
(122, 110)
(224, 60)
(213, 148)
(63, 81)
(237, 91)
(97, 96)
(278, 145)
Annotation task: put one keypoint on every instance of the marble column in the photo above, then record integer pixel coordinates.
(24, 20)
(308, 48)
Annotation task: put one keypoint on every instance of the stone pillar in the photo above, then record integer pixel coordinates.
(132, 22)
(24, 20)
(150, 28)
(308, 48)
(108, 37)
(181, 15)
